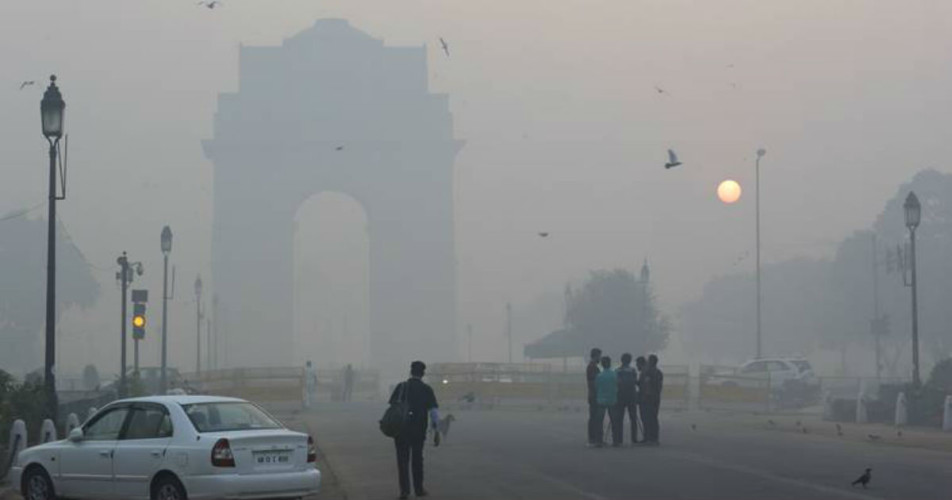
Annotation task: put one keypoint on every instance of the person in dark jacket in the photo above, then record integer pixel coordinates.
(591, 372)
(627, 400)
(651, 383)
(423, 407)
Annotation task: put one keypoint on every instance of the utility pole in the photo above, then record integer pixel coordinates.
(198, 326)
(469, 343)
(877, 325)
(509, 328)
(166, 246)
(760, 154)
(209, 357)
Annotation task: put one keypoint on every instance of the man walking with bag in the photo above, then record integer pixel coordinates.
(416, 398)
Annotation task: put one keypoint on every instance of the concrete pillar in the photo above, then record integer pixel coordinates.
(18, 437)
(827, 405)
(861, 417)
(902, 413)
(947, 415)
(48, 431)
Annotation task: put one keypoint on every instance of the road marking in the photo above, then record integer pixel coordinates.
(743, 469)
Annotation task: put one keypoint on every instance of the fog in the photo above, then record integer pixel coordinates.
(564, 133)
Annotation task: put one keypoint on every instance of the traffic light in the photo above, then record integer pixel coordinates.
(138, 321)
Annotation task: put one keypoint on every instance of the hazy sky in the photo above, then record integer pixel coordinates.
(565, 132)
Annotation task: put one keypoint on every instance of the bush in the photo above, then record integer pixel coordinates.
(25, 401)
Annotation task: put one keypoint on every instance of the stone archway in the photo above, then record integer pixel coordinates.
(334, 109)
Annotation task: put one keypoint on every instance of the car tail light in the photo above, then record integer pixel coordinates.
(221, 454)
(311, 450)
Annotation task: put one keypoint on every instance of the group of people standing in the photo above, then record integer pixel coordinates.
(635, 391)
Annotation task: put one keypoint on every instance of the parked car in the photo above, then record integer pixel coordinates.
(172, 448)
(775, 373)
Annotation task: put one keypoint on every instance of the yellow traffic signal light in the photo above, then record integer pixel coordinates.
(138, 321)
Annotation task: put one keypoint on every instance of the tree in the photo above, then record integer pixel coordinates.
(23, 288)
(616, 312)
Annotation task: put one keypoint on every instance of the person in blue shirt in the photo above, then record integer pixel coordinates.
(606, 385)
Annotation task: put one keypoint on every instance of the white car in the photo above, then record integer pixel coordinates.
(775, 372)
(172, 448)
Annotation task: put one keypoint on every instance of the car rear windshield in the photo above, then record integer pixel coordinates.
(802, 365)
(232, 416)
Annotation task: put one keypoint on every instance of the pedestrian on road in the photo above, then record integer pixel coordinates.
(652, 380)
(591, 372)
(641, 364)
(607, 385)
(627, 401)
(409, 443)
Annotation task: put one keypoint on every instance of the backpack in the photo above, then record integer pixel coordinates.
(397, 416)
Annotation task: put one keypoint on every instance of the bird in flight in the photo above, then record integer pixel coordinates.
(839, 430)
(672, 159)
(864, 479)
(210, 5)
(544, 234)
(446, 48)
(661, 90)
(27, 83)
(339, 148)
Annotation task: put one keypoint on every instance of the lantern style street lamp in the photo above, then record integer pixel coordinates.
(166, 250)
(913, 212)
(51, 118)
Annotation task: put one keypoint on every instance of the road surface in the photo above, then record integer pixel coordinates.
(506, 454)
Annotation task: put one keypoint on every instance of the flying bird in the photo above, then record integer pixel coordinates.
(898, 432)
(544, 234)
(693, 427)
(660, 90)
(771, 423)
(839, 430)
(672, 159)
(864, 479)
(27, 83)
(210, 5)
(804, 430)
(798, 423)
(446, 48)
(339, 148)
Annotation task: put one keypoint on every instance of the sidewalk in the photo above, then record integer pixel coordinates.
(912, 437)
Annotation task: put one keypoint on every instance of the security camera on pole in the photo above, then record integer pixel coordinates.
(124, 276)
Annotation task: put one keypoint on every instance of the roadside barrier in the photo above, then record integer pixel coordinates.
(47, 431)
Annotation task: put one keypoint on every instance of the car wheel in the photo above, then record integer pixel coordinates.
(168, 488)
(37, 485)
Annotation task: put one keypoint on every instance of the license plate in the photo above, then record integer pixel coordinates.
(272, 457)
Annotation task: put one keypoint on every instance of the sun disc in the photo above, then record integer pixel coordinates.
(728, 191)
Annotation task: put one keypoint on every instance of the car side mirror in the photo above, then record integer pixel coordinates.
(76, 435)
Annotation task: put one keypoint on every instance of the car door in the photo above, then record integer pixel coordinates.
(140, 451)
(86, 465)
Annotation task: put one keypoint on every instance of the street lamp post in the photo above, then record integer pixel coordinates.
(198, 325)
(913, 212)
(760, 154)
(51, 117)
(166, 250)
